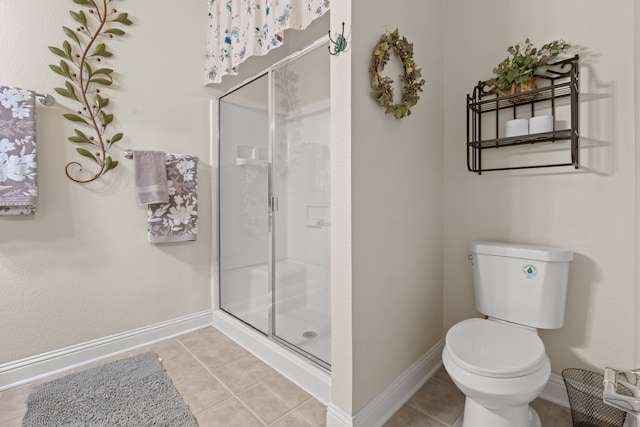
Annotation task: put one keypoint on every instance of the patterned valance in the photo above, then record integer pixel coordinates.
(239, 29)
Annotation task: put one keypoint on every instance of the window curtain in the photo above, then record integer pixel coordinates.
(239, 29)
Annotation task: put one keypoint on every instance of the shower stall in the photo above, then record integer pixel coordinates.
(274, 209)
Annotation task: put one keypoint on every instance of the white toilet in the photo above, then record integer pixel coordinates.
(500, 363)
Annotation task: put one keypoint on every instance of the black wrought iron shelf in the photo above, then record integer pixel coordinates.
(559, 88)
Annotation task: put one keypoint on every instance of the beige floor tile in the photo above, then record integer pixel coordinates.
(442, 375)
(266, 394)
(273, 398)
(12, 402)
(204, 335)
(203, 393)
(542, 407)
(410, 417)
(16, 422)
(230, 413)
(213, 348)
(244, 373)
(176, 360)
(310, 414)
(559, 416)
(440, 400)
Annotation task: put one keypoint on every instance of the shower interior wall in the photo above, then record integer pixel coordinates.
(301, 168)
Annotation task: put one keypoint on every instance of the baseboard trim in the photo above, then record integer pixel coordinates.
(338, 418)
(395, 395)
(36, 367)
(315, 380)
(555, 391)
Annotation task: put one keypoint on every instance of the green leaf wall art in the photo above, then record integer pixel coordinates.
(82, 64)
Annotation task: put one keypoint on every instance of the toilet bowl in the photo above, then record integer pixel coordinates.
(500, 363)
(500, 367)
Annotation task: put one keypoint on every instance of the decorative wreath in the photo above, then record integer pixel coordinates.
(411, 80)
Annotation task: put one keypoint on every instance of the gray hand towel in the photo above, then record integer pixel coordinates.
(150, 177)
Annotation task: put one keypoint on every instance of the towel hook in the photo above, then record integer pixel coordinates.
(128, 153)
(339, 44)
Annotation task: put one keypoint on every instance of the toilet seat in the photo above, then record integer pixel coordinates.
(494, 349)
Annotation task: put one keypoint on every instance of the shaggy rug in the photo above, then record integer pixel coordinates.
(133, 392)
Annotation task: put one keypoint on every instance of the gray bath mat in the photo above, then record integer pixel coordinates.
(133, 392)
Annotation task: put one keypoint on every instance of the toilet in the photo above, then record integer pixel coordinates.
(500, 363)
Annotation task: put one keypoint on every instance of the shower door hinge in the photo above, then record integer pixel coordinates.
(273, 204)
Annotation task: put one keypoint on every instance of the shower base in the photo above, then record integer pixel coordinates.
(301, 307)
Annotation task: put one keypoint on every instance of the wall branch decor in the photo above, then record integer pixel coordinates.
(81, 65)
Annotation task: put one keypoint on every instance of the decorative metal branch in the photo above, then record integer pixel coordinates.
(81, 65)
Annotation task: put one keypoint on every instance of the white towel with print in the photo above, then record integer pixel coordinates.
(177, 220)
(18, 190)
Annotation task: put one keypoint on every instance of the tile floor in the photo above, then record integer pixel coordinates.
(439, 403)
(226, 386)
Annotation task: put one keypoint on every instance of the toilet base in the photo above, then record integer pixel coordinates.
(476, 415)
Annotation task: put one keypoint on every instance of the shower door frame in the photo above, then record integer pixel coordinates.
(272, 201)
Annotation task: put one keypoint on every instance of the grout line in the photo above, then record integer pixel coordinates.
(223, 384)
(292, 410)
(432, 416)
(458, 419)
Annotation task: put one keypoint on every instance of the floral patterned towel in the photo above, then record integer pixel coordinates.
(18, 191)
(177, 220)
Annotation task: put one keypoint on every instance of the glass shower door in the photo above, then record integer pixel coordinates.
(300, 179)
(245, 241)
(274, 211)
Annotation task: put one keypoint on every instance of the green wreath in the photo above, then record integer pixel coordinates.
(381, 85)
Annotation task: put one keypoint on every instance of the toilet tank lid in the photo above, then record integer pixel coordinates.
(519, 250)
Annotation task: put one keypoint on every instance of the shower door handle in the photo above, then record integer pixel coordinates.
(273, 204)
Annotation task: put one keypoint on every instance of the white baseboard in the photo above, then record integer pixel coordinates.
(315, 380)
(393, 397)
(337, 418)
(555, 391)
(43, 365)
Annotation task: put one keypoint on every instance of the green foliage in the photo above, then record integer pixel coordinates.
(381, 86)
(525, 62)
(83, 83)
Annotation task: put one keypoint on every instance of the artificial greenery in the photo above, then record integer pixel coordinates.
(524, 63)
(81, 65)
(381, 85)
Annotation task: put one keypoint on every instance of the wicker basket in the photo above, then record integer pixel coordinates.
(519, 88)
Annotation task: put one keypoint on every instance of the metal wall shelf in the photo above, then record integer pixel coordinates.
(559, 88)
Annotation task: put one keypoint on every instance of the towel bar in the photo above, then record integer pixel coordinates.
(45, 99)
(128, 154)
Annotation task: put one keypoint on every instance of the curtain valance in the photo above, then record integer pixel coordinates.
(239, 29)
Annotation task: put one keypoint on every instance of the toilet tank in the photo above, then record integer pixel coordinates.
(524, 284)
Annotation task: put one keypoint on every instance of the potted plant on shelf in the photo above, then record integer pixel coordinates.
(518, 71)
